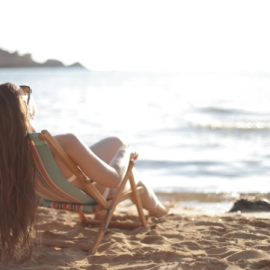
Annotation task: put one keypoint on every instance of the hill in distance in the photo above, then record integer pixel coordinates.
(14, 60)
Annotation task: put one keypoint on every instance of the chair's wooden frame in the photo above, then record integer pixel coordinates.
(108, 205)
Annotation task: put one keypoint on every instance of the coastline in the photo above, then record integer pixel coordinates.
(210, 203)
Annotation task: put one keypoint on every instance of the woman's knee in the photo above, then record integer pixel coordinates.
(107, 148)
(115, 141)
(111, 145)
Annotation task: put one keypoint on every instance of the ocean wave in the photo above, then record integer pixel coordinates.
(242, 126)
(222, 110)
(160, 164)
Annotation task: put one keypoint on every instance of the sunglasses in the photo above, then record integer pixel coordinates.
(27, 91)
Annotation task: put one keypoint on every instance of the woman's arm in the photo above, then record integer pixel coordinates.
(107, 175)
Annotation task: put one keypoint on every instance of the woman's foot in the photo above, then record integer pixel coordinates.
(160, 210)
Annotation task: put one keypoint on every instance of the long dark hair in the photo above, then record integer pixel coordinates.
(18, 200)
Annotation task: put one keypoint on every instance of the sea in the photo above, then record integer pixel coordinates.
(196, 133)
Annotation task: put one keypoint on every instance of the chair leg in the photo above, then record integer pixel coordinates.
(109, 214)
(137, 200)
(82, 218)
(99, 236)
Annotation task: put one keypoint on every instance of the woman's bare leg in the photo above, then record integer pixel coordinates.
(106, 150)
(148, 198)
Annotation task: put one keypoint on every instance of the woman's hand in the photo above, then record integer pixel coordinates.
(133, 153)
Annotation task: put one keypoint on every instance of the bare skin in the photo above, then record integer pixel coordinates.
(105, 162)
(110, 159)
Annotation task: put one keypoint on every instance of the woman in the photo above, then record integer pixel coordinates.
(109, 158)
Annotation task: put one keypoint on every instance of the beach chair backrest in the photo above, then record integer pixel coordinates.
(51, 184)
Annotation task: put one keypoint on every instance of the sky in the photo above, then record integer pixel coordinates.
(143, 35)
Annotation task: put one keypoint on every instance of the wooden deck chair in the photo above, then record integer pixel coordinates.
(58, 193)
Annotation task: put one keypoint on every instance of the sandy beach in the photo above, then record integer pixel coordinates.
(184, 239)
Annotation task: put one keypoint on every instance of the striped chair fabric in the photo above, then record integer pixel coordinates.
(54, 189)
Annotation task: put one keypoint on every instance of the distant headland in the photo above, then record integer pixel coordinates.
(14, 60)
